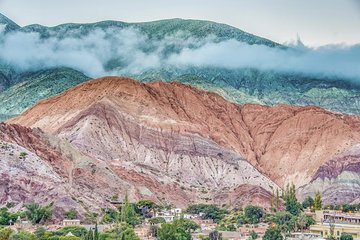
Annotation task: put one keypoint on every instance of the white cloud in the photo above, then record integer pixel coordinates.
(2, 28)
(133, 52)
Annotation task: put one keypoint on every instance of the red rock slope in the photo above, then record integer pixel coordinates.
(195, 137)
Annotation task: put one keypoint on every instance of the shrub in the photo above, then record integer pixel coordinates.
(346, 236)
(253, 214)
(76, 230)
(69, 238)
(37, 213)
(5, 233)
(209, 211)
(156, 220)
(273, 233)
(22, 235)
(253, 235)
(71, 214)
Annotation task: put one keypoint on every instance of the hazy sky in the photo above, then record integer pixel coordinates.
(317, 22)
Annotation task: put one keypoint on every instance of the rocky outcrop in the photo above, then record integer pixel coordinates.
(276, 140)
(42, 168)
(167, 145)
(338, 179)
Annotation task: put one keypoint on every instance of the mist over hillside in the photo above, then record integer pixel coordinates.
(116, 48)
(240, 66)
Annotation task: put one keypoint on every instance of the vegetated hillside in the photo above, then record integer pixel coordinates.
(155, 30)
(267, 87)
(35, 86)
(167, 37)
(195, 137)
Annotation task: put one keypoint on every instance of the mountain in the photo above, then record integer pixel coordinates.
(133, 49)
(32, 170)
(163, 157)
(154, 30)
(199, 140)
(7, 25)
(35, 86)
(267, 87)
(338, 177)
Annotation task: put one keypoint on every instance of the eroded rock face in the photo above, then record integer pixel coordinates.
(53, 171)
(27, 177)
(164, 145)
(173, 132)
(338, 179)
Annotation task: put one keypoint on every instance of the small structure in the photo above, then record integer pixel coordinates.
(176, 211)
(100, 227)
(71, 222)
(259, 228)
(205, 224)
(324, 229)
(337, 222)
(22, 225)
(169, 215)
(230, 235)
(189, 216)
(70, 234)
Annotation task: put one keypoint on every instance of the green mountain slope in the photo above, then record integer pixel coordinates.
(155, 30)
(36, 86)
(266, 87)
(242, 85)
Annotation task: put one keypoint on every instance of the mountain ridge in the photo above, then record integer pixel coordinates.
(243, 85)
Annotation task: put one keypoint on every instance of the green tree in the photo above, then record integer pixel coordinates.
(22, 235)
(37, 213)
(169, 231)
(90, 235)
(209, 211)
(308, 202)
(121, 231)
(186, 224)
(96, 232)
(110, 215)
(277, 200)
(273, 233)
(318, 201)
(291, 203)
(91, 217)
(153, 230)
(7, 217)
(349, 207)
(128, 213)
(253, 235)
(69, 238)
(285, 221)
(23, 155)
(346, 236)
(78, 231)
(156, 220)
(253, 214)
(146, 203)
(215, 235)
(5, 233)
(304, 221)
(42, 234)
(71, 214)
